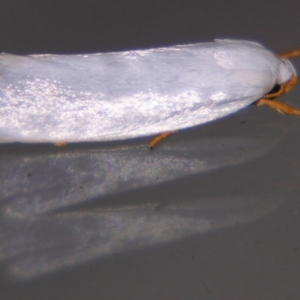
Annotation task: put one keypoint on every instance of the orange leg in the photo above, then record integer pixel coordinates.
(159, 138)
(290, 54)
(284, 88)
(60, 144)
(281, 107)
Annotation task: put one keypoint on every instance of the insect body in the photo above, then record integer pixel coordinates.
(122, 95)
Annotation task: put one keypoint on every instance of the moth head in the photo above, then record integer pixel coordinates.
(286, 71)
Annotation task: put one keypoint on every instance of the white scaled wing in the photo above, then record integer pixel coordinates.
(111, 96)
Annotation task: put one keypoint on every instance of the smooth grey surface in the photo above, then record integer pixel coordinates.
(211, 213)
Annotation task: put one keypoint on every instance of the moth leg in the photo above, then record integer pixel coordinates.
(290, 54)
(60, 144)
(159, 138)
(284, 88)
(279, 106)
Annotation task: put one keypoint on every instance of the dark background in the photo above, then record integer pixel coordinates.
(212, 213)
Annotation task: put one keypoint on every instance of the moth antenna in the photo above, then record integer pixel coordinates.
(290, 54)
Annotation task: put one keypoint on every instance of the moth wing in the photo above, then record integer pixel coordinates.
(123, 95)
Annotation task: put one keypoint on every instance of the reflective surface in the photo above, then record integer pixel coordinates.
(211, 213)
(112, 184)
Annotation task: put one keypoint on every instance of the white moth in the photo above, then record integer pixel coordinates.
(122, 95)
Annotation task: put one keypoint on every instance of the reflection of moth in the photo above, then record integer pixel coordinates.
(122, 95)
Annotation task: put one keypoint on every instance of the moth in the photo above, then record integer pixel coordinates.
(130, 94)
